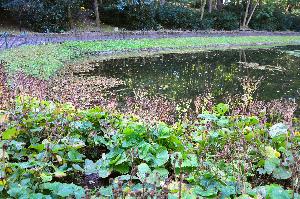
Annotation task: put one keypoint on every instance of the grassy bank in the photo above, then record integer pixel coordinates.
(44, 60)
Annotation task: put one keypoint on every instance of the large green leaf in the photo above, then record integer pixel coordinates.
(161, 157)
(281, 173)
(65, 190)
(278, 129)
(221, 108)
(103, 172)
(75, 156)
(143, 170)
(10, 133)
(276, 191)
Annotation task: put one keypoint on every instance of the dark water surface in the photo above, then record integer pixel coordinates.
(272, 73)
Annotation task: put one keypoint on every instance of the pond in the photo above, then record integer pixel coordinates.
(162, 87)
(261, 74)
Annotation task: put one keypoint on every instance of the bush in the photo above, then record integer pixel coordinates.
(41, 16)
(225, 20)
(177, 17)
(151, 16)
(271, 19)
(295, 23)
(169, 16)
(50, 18)
(141, 17)
(112, 15)
(132, 17)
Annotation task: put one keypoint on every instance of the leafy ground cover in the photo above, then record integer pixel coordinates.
(51, 150)
(43, 61)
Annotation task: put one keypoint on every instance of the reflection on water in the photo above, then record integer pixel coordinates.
(172, 86)
(264, 74)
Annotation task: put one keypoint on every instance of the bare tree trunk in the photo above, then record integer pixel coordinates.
(246, 14)
(215, 4)
(220, 4)
(209, 6)
(253, 10)
(96, 7)
(70, 18)
(203, 3)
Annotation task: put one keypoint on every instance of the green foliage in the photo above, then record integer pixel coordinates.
(295, 23)
(177, 17)
(42, 16)
(64, 190)
(141, 17)
(269, 16)
(225, 20)
(45, 146)
(272, 18)
(38, 61)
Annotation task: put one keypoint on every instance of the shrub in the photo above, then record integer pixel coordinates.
(150, 16)
(272, 19)
(141, 17)
(112, 15)
(41, 16)
(132, 17)
(177, 17)
(50, 17)
(295, 23)
(225, 20)
(170, 16)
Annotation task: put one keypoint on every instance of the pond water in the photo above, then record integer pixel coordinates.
(265, 74)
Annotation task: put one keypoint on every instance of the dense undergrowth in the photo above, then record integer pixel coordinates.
(43, 61)
(51, 150)
(152, 17)
(59, 16)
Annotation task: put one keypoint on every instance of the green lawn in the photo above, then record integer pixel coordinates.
(44, 60)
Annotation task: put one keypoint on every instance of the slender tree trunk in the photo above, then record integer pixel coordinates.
(209, 6)
(203, 3)
(70, 18)
(96, 7)
(246, 14)
(252, 12)
(20, 21)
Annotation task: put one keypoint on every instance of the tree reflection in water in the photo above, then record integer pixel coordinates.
(172, 86)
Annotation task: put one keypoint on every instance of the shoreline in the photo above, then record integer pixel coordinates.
(45, 60)
(17, 40)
